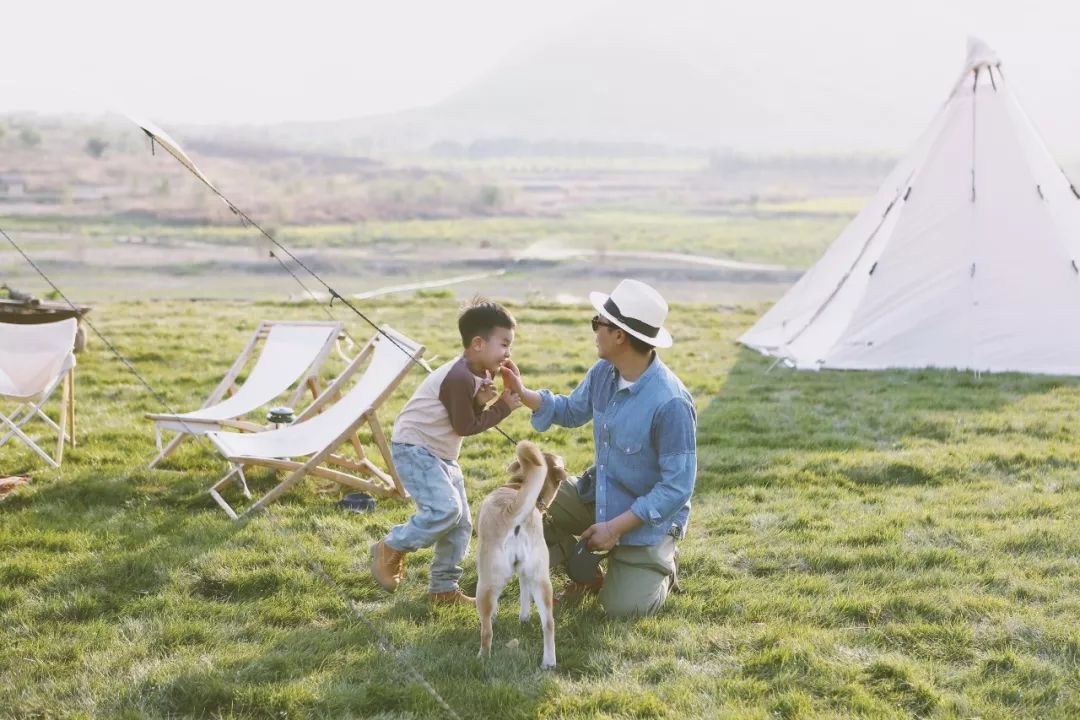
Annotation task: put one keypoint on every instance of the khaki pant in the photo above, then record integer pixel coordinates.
(639, 577)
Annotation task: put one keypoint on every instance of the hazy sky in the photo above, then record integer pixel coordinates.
(221, 61)
(228, 61)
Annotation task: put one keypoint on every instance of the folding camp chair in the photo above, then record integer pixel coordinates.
(324, 429)
(292, 351)
(34, 361)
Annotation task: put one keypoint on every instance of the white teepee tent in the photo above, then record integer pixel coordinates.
(966, 258)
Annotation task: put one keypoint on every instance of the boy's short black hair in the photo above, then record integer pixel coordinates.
(480, 317)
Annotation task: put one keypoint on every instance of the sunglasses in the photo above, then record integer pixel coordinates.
(599, 322)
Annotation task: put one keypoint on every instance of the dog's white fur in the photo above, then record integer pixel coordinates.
(510, 537)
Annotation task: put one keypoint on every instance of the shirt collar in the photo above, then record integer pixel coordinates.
(650, 372)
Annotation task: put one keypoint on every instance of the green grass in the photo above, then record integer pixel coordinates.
(640, 165)
(157, 259)
(119, 260)
(795, 234)
(896, 544)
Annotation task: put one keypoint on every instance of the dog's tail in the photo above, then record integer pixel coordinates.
(534, 470)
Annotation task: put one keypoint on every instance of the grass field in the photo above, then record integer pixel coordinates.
(112, 259)
(889, 544)
(792, 234)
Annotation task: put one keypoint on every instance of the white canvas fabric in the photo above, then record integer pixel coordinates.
(34, 361)
(966, 258)
(288, 352)
(307, 437)
(166, 141)
(326, 427)
(32, 357)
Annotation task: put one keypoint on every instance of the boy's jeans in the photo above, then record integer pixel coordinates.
(442, 515)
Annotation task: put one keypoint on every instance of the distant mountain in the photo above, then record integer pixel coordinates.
(614, 93)
(757, 78)
(621, 93)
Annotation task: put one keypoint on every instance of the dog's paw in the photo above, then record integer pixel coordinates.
(524, 615)
(547, 666)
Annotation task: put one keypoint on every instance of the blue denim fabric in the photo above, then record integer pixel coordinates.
(646, 446)
(442, 516)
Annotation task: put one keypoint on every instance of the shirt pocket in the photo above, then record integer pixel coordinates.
(630, 469)
(630, 441)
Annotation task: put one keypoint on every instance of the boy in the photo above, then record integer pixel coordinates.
(451, 403)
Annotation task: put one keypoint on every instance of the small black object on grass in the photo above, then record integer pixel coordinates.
(357, 502)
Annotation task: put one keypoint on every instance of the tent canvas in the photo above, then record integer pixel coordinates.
(967, 256)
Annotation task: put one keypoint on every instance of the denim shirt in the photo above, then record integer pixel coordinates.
(646, 446)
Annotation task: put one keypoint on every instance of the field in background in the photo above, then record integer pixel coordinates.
(103, 259)
(897, 544)
(111, 221)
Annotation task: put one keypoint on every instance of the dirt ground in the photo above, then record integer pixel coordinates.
(123, 270)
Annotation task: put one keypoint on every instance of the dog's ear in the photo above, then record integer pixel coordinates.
(554, 461)
(556, 469)
(514, 468)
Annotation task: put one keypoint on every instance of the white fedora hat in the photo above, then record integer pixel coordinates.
(637, 309)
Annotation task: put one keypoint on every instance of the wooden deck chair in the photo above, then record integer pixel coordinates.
(292, 354)
(326, 428)
(34, 361)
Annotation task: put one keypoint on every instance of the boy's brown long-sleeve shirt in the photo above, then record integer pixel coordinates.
(443, 410)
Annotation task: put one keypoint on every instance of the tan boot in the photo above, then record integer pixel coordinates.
(451, 597)
(574, 590)
(387, 565)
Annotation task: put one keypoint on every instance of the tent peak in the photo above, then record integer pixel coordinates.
(979, 54)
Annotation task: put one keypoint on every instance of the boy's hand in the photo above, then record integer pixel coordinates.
(511, 398)
(511, 376)
(487, 391)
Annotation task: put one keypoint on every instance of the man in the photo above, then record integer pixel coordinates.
(645, 431)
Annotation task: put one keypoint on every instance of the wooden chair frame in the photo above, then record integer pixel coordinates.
(328, 463)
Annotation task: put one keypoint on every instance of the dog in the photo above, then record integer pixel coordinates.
(510, 539)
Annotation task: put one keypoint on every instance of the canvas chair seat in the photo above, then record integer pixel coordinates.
(292, 356)
(34, 361)
(309, 436)
(36, 373)
(327, 427)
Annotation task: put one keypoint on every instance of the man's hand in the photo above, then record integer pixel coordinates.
(511, 376)
(487, 391)
(512, 381)
(605, 535)
(601, 536)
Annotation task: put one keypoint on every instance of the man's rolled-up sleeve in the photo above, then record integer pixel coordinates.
(675, 434)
